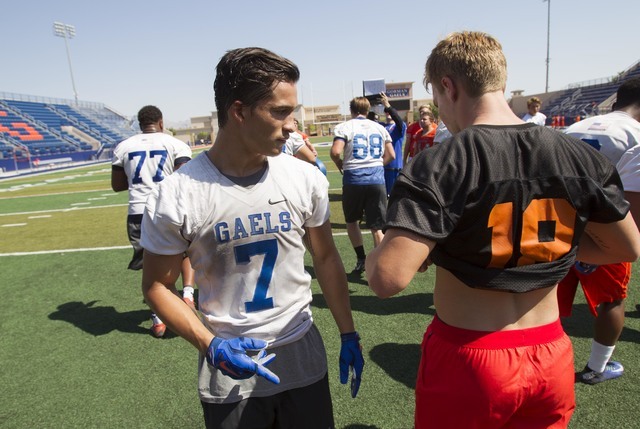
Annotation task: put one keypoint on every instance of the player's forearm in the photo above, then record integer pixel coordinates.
(305, 154)
(389, 154)
(177, 315)
(159, 276)
(391, 266)
(380, 279)
(610, 243)
(395, 116)
(333, 282)
(407, 146)
(337, 160)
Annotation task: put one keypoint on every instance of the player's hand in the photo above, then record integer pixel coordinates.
(385, 100)
(584, 268)
(231, 358)
(351, 359)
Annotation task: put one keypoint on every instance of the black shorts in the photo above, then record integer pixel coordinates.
(370, 199)
(133, 231)
(306, 407)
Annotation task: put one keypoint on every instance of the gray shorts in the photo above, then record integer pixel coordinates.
(301, 400)
(306, 407)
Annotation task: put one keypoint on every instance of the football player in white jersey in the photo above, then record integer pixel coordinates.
(533, 114)
(361, 148)
(296, 146)
(244, 213)
(139, 164)
(605, 287)
(300, 147)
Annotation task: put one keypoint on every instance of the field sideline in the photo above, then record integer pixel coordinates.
(76, 352)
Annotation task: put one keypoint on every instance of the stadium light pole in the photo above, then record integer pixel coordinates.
(67, 32)
(546, 88)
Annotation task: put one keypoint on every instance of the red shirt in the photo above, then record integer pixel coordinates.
(420, 140)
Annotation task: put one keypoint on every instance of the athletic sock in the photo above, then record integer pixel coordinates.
(187, 291)
(360, 252)
(155, 319)
(600, 355)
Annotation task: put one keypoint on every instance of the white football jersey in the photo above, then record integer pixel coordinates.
(147, 159)
(245, 243)
(538, 118)
(612, 134)
(293, 144)
(629, 169)
(364, 145)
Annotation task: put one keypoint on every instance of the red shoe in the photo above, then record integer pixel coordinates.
(158, 328)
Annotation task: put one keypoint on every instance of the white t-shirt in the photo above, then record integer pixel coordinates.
(612, 134)
(293, 144)
(147, 159)
(245, 243)
(538, 118)
(442, 133)
(364, 143)
(629, 169)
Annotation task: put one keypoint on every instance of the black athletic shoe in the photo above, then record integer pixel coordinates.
(611, 371)
(359, 268)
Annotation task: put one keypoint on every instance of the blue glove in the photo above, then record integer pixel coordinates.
(351, 358)
(230, 357)
(584, 268)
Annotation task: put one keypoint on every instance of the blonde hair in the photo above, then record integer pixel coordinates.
(429, 113)
(473, 59)
(359, 105)
(533, 100)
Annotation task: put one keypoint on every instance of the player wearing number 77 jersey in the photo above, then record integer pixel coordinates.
(502, 210)
(244, 213)
(139, 164)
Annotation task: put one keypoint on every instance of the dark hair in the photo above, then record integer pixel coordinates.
(149, 115)
(628, 93)
(249, 75)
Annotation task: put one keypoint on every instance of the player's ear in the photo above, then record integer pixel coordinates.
(450, 87)
(236, 111)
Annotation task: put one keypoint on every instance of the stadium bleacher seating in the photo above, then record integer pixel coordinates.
(46, 129)
(582, 100)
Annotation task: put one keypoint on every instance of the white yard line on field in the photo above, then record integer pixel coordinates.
(64, 210)
(58, 193)
(91, 249)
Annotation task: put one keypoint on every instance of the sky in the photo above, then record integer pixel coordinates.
(127, 54)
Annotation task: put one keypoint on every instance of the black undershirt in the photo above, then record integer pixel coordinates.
(250, 180)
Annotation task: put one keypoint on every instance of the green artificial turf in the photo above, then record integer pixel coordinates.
(75, 351)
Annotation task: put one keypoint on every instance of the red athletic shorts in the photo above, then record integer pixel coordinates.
(505, 379)
(607, 283)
